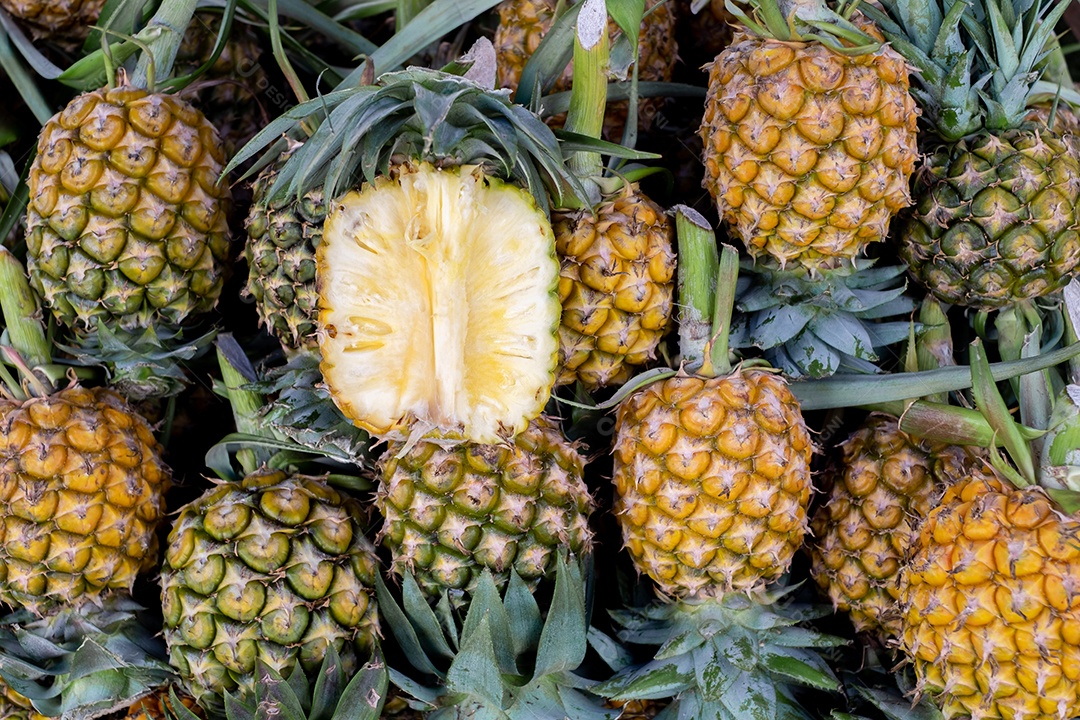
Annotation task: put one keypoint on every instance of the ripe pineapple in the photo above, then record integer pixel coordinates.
(616, 283)
(886, 484)
(127, 220)
(61, 21)
(808, 151)
(451, 513)
(472, 353)
(228, 91)
(280, 252)
(159, 706)
(522, 25)
(712, 483)
(274, 568)
(986, 602)
(995, 220)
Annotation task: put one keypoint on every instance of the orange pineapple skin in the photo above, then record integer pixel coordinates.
(712, 481)
(616, 282)
(808, 152)
(991, 603)
(82, 484)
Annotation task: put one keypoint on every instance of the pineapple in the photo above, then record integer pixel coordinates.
(988, 615)
(127, 219)
(160, 706)
(437, 277)
(809, 144)
(522, 25)
(272, 569)
(452, 513)
(712, 484)
(83, 482)
(280, 253)
(995, 220)
(615, 283)
(66, 22)
(616, 256)
(886, 484)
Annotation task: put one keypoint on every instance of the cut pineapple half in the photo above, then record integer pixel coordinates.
(438, 305)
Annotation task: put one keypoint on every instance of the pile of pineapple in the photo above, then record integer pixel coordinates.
(531, 360)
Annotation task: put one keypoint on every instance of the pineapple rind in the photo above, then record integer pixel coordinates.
(712, 481)
(996, 220)
(808, 152)
(452, 513)
(83, 487)
(989, 603)
(273, 569)
(438, 305)
(127, 221)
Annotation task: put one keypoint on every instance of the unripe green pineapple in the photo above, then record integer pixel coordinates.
(450, 513)
(273, 569)
(280, 253)
(127, 220)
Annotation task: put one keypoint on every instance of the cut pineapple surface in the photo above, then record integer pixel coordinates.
(438, 305)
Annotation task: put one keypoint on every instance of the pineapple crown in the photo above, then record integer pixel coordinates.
(504, 659)
(726, 659)
(83, 662)
(416, 115)
(978, 62)
(817, 324)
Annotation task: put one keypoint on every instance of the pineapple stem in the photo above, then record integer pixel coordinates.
(934, 348)
(20, 310)
(588, 100)
(726, 279)
(698, 267)
(163, 35)
(236, 371)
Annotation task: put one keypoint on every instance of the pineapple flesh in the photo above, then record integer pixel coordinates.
(438, 305)
(712, 481)
(273, 569)
(808, 152)
(451, 513)
(83, 488)
(126, 221)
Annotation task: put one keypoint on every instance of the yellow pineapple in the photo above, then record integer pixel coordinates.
(808, 151)
(616, 284)
(712, 483)
(522, 25)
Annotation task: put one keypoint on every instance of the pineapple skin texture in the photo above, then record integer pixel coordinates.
(991, 613)
(885, 485)
(451, 513)
(274, 568)
(712, 481)
(522, 25)
(64, 20)
(282, 238)
(616, 280)
(996, 220)
(83, 487)
(808, 152)
(126, 221)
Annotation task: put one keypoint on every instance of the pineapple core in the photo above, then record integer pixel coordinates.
(438, 306)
